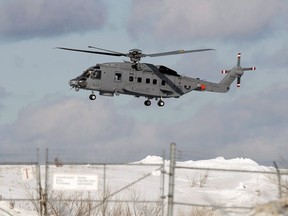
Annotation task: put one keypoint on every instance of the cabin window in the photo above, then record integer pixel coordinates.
(139, 79)
(131, 78)
(118, 77)
(147, 80)
(154, 81)
(163, 82)
(96, 74)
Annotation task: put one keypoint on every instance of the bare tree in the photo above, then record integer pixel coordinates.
(199, 179)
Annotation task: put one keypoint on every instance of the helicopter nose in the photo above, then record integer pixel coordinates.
(73, 82)
(82, 83)
(78, 83)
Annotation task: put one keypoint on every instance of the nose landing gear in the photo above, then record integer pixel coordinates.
(92, 96)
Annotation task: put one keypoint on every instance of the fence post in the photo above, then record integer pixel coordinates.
(39, 183)
(104, 191)
(162, 189)
(171, 179)
(45, 195)
(279, 179)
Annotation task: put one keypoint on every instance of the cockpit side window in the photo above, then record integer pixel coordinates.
(92, 72)
(87, 73)
(96, 74)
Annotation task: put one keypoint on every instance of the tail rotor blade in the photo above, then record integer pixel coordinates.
(238, 81)
(236, 72)
(238, 59)
(248, 69)
(225, 71)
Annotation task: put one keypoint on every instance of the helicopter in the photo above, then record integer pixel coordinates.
(145, 79)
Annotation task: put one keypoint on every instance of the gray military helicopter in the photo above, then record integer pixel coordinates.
(144, 79)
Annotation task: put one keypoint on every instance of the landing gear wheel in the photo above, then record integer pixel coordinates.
(147, 103)
(161, 103)
(92, 97)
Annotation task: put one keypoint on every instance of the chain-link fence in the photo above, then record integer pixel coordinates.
(19, 187)
(244, 188)
(62, 189)
(105, 189)
(81, 189)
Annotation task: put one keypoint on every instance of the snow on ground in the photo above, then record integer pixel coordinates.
(192, 185)
(6, 210)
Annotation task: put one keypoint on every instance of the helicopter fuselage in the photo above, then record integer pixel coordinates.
(146, 80)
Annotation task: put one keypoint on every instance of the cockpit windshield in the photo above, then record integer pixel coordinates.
(94, 72)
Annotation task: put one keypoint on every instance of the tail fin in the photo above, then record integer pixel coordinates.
(235, 73)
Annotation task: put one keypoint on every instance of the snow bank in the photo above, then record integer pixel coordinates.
(150, 160)
(219, 163)
(222, 163)
(7, 210)
(192, 186)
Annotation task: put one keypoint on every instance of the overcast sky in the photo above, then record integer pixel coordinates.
(38, 109)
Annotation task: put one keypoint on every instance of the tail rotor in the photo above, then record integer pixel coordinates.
(238, 70)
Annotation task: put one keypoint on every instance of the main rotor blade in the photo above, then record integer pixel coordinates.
(176, 52)
(93, 52)
(111, 51)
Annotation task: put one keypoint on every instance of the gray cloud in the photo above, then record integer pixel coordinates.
(40, 18)
(276, 59)
(170, 20)
(252, 126)
(3, 94)
(80, 131)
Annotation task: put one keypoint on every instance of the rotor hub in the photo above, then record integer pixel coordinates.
(135, 55)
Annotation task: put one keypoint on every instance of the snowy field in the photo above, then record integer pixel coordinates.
(203, 187)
